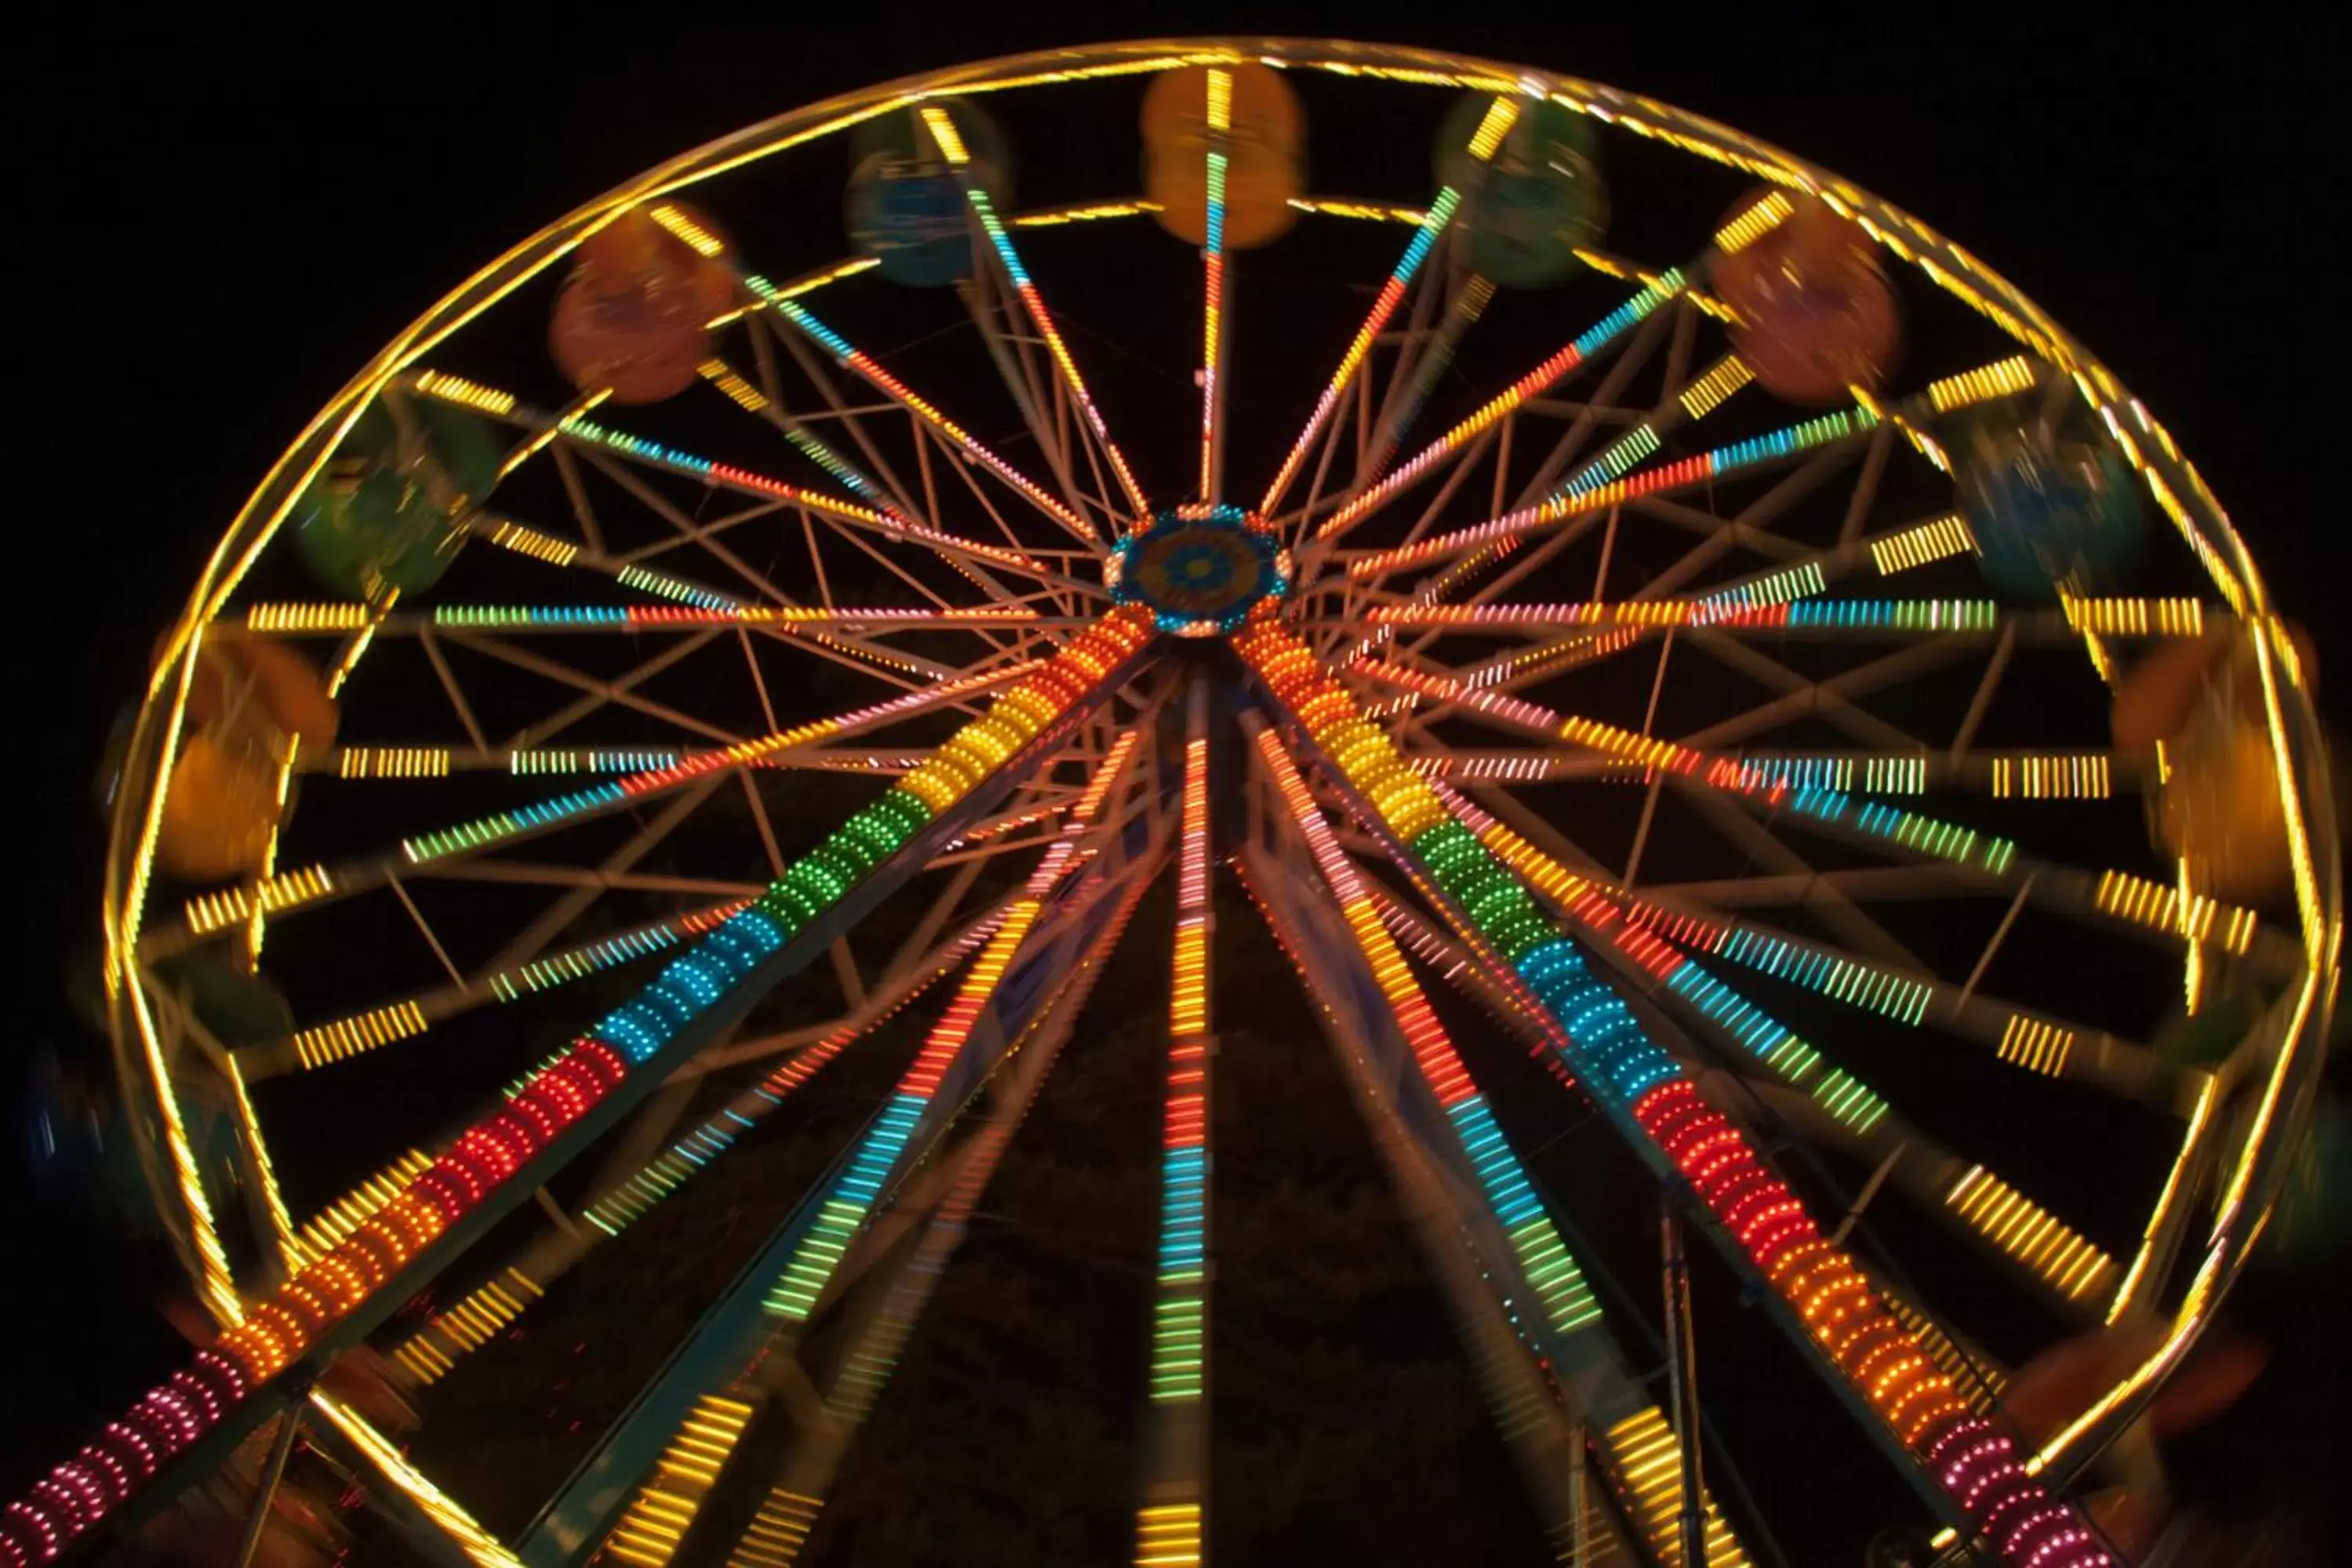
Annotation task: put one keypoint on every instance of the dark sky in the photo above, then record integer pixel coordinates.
(213, 240)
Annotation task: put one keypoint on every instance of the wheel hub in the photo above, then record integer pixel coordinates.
(1198, 569)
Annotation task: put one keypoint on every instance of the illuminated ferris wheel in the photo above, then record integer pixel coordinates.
(1641, 600)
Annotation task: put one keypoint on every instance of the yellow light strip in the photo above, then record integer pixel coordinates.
(346, 1214)
(1983, 383)
(2153, 904)
(1729, 374)
(469, 394)
(657, 1517)
(468, 1325)
(1932, 541)
(393, 762)
(339, 616)
(209, 912)
(1752, 224)
(1370, 212)
(1169, 1536)
(775, 1538)
(1649, 1472)
(529, 542)
(2055, 776)
(315, 1048)
(706, 243)
(2135, 617)
(2030, 1233)
(1094, 211)
(2036, 1045)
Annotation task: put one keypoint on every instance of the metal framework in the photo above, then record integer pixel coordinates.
(1587, 696)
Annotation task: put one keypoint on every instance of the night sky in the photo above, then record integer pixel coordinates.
(214, 241)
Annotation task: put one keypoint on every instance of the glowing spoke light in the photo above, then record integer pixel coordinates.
(1501, 114)
(654, 1525)
(1602, 493)
(850, 357)
(1974, 1463)
(2161, 906)
(1650, 1466)
(702, 609)
(472, 835)
(2030, 1235)
(1212, 261)
(1872, 819)
(1604, 915)
(280, 1329)
(943, 130)
(2088, 775)
(1544, 1257)
(1936, 540)
(1532, 385)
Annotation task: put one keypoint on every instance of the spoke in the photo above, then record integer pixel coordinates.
(558, 1110)
(1406, 398)
(2004, 775)
(1567, 1331)
(1609, 479)
(943, 131)
(1016, 367)
(864, 364)
(1170, 1527)
(432, 1351)
(1213, 325)
(1742, 231)
(2147, 907)
(2076, 1272)
(315, 884)
(788, 1513)
(285, 761)
(592, 437)
(1502, 112)
(1693, 401)
(802, 1266)
(1649, 1098)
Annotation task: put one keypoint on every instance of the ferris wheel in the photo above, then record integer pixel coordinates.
(1640, 605)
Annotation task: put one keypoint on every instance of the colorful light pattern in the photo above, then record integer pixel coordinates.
(281, 1328)
(655, 1524)
(1599, 493)
(1179, 1313)
(1935, 540)
(2200, 916)
(1591, 341)
(1873, 819)
(1212, 262)
(431, 1350)
(943, 130)
(1650, 1463)
(510, 535)
(1603, 915)
(1976, 1465)
(850, 357)
(726, 476)
(1550, 1269)
(1501, 114)
(474, 835)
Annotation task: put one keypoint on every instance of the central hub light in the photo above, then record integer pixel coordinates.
(1198, 569)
